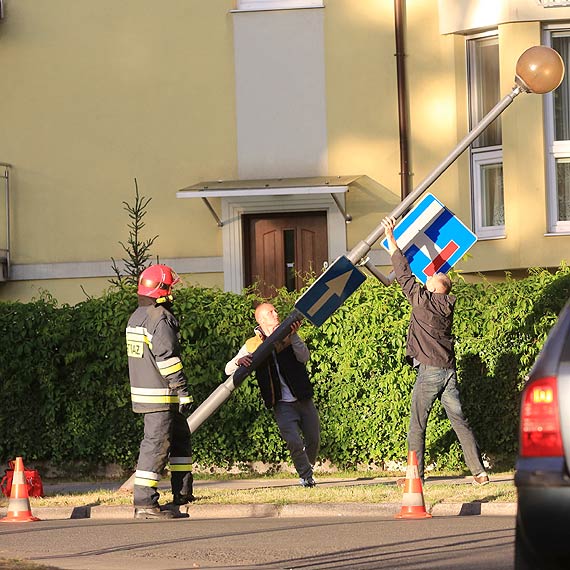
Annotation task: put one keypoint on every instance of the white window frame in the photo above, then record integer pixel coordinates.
(553, 3)
(554, 149)
(480, 156)
(491, 155)
(262, 5)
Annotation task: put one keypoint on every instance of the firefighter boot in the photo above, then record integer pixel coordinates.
(154, 513)
(180, 499)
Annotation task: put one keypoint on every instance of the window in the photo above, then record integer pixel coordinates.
(254, 5)
(486, 151)
(489, 210)
(557, 123)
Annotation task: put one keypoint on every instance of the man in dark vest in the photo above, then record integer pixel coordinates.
(286, 389)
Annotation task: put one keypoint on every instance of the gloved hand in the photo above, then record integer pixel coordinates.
(185, 405)
(244, 360)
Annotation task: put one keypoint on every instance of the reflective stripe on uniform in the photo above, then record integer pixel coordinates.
(154, 395)
(155, 399)
(137, 337)
(146, 478)
(139, 334)
(169, 366)
(152, 391)
(179, 464)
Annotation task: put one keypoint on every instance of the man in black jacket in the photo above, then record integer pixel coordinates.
(430, 350)
(286, 389)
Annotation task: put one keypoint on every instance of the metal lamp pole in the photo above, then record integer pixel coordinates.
(224, 390)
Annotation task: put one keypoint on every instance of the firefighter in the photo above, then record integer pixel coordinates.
(159, 391)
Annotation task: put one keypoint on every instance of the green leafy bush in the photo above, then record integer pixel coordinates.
(65, 387)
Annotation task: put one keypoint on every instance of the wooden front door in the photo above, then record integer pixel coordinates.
(283, 249)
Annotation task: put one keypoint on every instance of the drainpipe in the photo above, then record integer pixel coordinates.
(6, 176)
(400, 23)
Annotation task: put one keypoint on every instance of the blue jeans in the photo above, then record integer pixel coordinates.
(300, 427)
(432, 383)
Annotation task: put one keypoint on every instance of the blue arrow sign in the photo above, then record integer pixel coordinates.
(432, 238)
(330, 291)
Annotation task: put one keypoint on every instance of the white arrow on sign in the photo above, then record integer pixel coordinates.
(335, 287)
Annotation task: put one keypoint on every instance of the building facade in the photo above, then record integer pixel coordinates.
(269, 134)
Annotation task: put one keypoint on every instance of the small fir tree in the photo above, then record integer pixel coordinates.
(137, 249)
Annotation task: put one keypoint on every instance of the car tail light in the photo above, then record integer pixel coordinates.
(540, 419)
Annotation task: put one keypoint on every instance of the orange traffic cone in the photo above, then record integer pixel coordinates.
(19, 505)
(413, 506)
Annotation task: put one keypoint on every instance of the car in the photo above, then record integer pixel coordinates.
(542, 478)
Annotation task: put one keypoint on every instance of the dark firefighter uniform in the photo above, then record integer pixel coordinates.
(158, 388)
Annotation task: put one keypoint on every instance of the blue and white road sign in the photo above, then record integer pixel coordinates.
(330, 291)
(432, 238)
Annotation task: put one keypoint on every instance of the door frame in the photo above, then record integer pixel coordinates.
(232, 230)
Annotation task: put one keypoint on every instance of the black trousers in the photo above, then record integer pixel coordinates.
(166, 440)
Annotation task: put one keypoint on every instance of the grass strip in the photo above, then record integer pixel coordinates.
(372, 491)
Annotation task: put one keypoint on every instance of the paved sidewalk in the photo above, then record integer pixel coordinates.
(197, 511)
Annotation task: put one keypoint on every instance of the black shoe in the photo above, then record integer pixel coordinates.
(183, 499)
(154, 513)
(308, 482)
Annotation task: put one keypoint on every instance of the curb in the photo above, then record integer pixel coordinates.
(283, 511)
(474, 509)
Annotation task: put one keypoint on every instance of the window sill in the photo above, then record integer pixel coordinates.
(490, 238)
(282, 9)
(557, 234)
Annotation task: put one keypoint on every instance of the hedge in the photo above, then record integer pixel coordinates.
(65, 388)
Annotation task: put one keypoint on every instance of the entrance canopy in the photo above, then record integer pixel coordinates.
(270, 187)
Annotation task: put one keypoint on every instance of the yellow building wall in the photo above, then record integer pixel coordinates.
(362, 113)
(73, 291)
(362, 103)
(97, 94)
(433, 101)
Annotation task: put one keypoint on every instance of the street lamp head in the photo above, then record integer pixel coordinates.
(540, 69)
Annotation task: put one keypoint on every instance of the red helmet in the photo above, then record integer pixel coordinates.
(156, 281)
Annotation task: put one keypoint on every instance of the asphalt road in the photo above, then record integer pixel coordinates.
(322, 543)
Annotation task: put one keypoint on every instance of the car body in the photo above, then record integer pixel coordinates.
(542, 477)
